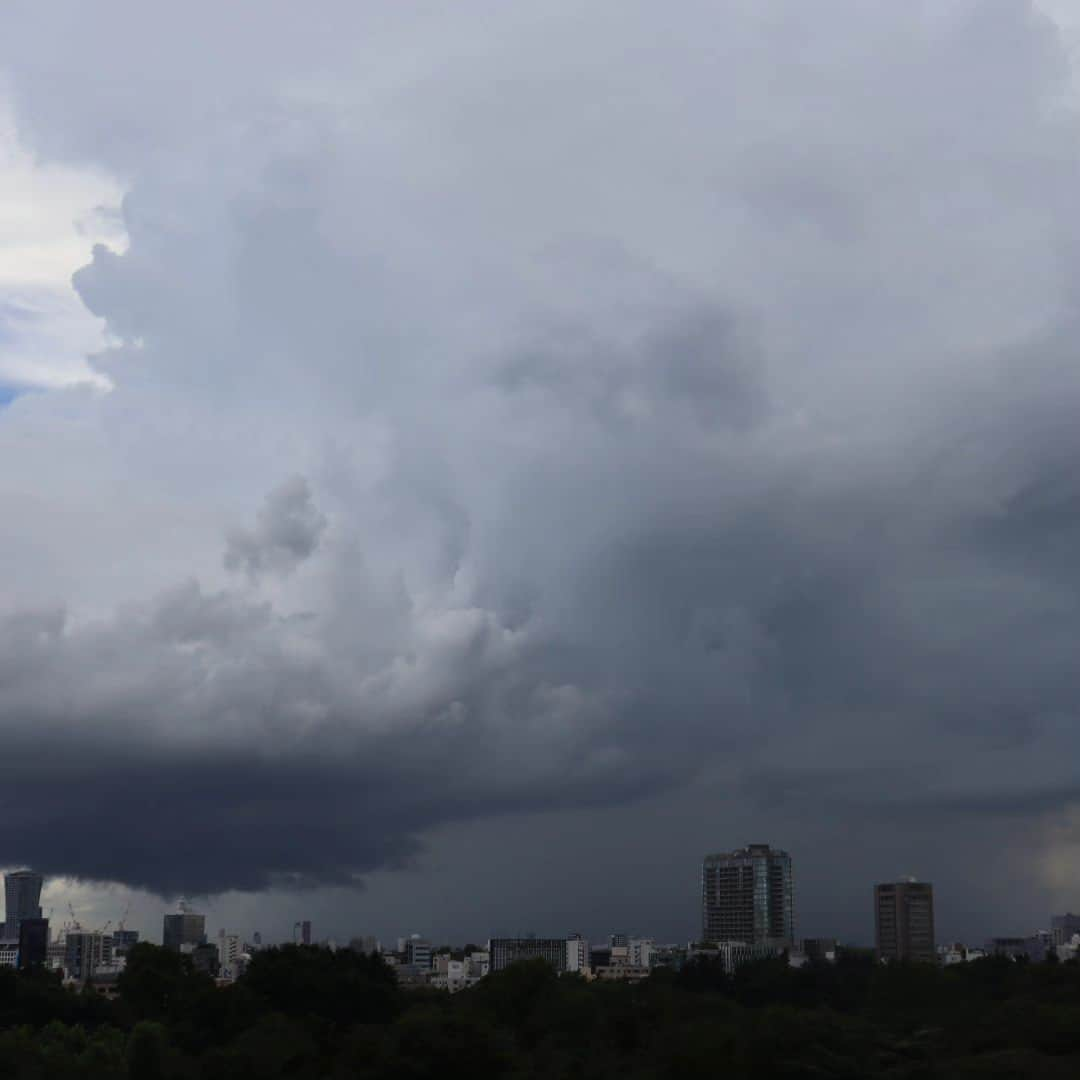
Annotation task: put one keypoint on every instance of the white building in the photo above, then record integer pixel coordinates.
(640, 952)
(577, 954)
(9, 954)
(1068, 950)
(230, 956)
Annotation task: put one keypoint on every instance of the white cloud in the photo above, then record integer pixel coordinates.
(50, 217)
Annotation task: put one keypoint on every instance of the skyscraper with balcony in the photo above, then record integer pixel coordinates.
(748, 895)
(904, 920)
(22, 899)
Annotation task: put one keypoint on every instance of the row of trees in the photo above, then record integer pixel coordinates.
(309, 1013)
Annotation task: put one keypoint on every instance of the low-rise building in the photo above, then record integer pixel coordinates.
(821, 950)
(416, 952)
(671, 957)
(479, 964)
(1034, 947)
(1063, 927)
(505, 951)
(736, 954)
(621, 973)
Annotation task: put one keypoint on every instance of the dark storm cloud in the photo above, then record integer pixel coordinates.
(698, 406)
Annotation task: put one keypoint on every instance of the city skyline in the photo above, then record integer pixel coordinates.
(499, 453)
(191, 925)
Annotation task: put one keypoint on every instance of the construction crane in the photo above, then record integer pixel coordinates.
(75, 924)
(123, 918)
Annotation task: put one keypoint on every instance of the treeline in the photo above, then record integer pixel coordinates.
(309, 1013)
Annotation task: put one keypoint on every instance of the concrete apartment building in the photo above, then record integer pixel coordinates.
(904, 920)
(748, 895)
(577, 954)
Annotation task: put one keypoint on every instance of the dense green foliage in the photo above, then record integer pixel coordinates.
(308, 1013)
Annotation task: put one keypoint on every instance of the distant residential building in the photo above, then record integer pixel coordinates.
(105, 979)
(33, 944)
(1069, 950)
(1034, 947)
(410, 978)
(1012, 947)
(1063, 927)
(22, 900)
(84, 953)
(230, 956)
(735, 954)
(958, 953)
(621, 973)
(748, 895)
(599, 956)
(506, 951)
(640, 952)
(367, 945)
(417, 952)
(577, 954)
(55, 954)
(819, 949)
(904, 920)
(671, 957)
(479, 964)
(450, 974)
(123, 940)
(204, 958)
(185, 927)
(9, 954)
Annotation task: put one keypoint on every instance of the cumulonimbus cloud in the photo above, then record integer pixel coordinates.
(704, 396)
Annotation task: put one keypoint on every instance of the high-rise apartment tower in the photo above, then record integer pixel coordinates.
(748, 895)
(904, 920)
(185, 928)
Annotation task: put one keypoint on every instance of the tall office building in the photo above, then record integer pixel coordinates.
(22, 899)
(183, 928)
(748, 895)
(33, 944)
(904, 920)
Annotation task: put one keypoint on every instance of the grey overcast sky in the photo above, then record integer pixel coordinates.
(459, 463)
